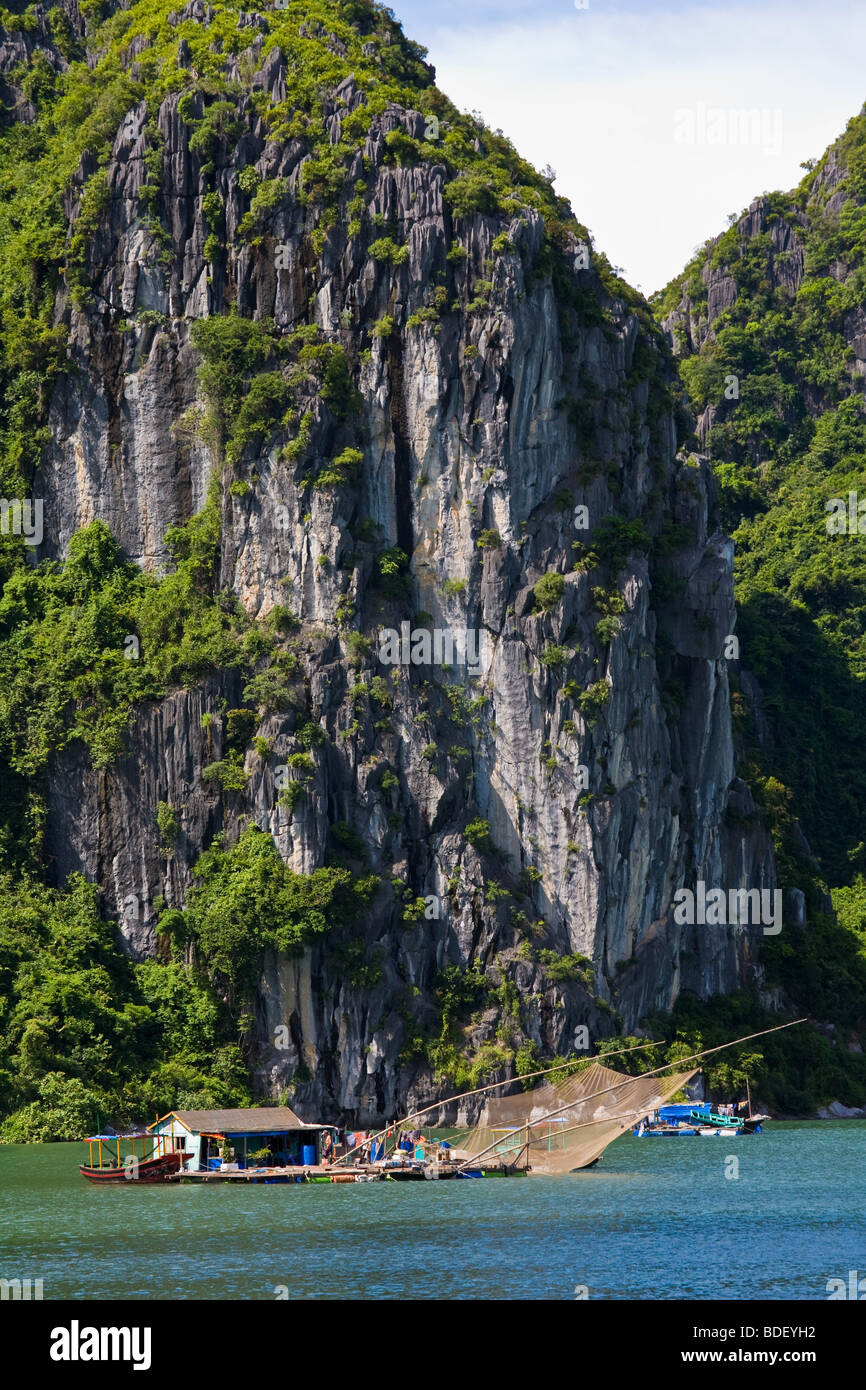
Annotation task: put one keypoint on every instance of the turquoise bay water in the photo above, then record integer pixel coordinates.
(657, 1219)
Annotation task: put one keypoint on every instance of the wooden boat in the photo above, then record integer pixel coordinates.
(145, 1170)
(154, 1163)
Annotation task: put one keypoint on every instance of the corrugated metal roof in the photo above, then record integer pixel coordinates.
(270, 1119)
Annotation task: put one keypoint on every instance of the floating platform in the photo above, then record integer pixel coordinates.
(316, 1173)
(360, 1172)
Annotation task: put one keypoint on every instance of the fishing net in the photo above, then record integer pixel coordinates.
(558, 1127)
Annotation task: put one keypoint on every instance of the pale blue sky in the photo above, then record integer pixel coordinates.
(636, 103)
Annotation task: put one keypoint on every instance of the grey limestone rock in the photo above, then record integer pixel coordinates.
(487, 420)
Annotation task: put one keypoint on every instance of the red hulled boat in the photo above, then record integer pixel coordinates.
(154, 1164)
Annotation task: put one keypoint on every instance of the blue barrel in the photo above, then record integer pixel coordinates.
(308, 1155)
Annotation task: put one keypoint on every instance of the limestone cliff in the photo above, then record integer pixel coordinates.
(515, 417)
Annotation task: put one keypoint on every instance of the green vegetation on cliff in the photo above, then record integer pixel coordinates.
(83, 641)
(787, 435)
(86, 1033)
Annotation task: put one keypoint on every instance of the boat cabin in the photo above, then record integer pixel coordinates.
(204, 1137)
(682, 1113)
(119, 1152)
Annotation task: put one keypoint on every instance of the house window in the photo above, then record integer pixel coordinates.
(179, 1143)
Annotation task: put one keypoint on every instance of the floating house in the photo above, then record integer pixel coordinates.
(200, 1137)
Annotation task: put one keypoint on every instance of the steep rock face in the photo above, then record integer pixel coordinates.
(690, 325)
(52, 32)
(503, 415)
(103, 824)
(777, 228)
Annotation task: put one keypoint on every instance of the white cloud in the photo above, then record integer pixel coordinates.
(594, 93)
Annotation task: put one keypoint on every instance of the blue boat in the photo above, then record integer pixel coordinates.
(693, 1120)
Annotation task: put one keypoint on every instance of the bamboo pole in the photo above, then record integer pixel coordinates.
(677, 1062)
(528, 1076)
